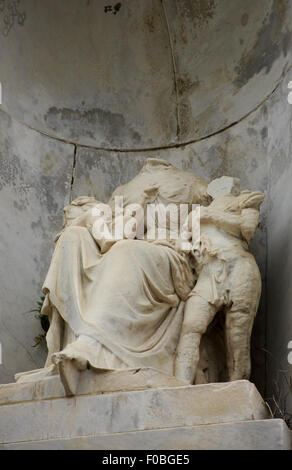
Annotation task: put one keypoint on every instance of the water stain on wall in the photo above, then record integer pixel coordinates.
(273, 39)
(200, 11)
(89, 122)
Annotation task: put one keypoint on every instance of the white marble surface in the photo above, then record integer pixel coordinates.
(270, 434)
(131, 411)
(90, 382)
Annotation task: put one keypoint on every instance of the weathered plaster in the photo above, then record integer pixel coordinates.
(279, 257)
(151, 75)
(35, 177)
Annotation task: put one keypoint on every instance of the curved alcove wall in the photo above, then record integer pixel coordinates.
(146, 74)
(88, 93)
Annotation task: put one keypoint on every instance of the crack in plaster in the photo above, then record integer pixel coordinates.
(173, 68)
(73, 172)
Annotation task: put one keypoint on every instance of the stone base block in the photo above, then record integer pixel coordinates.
(271, 434)
(30, 387)
(136, 409)
(38, 411)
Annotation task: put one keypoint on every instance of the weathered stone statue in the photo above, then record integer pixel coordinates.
(149, 318)
(143, 301)
(228, 279)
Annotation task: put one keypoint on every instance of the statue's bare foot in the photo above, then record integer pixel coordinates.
(69, 368)
(70, 363)
(69, 375)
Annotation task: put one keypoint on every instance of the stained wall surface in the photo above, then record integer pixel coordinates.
(35, 179)
(279, 253)
(91, 89)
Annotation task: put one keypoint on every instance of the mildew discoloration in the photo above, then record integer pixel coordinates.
(11, 15)
(211, 56)
(244, 19)
(201, 11)
(89, 122)
(279, 222)
(98, 174)
(49, 163)
(273, 40)
(251, 132)
(35, 174)
(264, 132)
(186, 85)
(112, 84)
(150, 23)
(10, 169)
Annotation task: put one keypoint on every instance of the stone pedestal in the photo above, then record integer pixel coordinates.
(37, 415)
